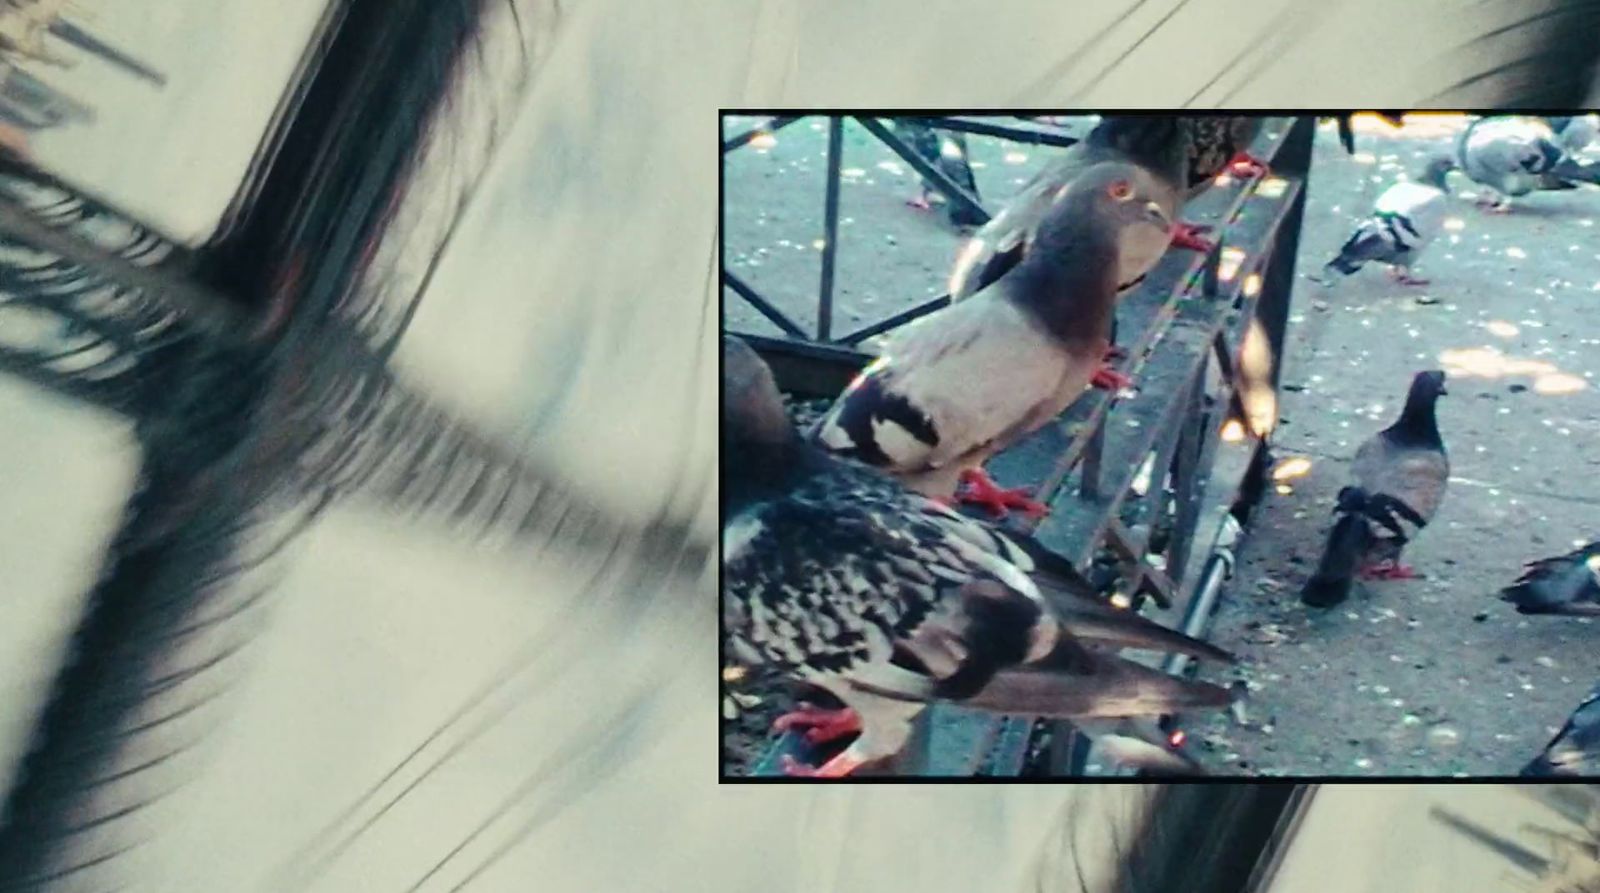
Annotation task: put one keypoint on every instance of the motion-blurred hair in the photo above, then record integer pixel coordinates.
(1207, 838)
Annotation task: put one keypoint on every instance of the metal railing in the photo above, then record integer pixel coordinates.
(1134, 483)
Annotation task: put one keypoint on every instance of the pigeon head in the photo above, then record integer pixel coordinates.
(1435, 171)
(752, 408)
(1121, 197)
(1429, 385)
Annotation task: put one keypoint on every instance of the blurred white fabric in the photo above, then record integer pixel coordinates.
(578, 306)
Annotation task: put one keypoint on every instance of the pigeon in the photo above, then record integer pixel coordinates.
(1221, 143)
(837, 575)
(1400, 475)
(1164, 145)
(1407, 217)
(948, 152)
(1574, 131)
(1573, 750)
(1566, 584)
(965, 382)
(1515, 156)
(1347, 128)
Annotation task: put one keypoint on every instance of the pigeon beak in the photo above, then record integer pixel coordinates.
(1157, 216)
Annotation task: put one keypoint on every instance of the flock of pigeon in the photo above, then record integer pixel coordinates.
(846, 566)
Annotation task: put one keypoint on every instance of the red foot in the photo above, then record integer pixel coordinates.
(1108, 379)
(838, 767)
(1408, 279)
(821, 725)
(1246, 165)
(920, 203)
(1388, 570)
(979, 489)
(1187, 235)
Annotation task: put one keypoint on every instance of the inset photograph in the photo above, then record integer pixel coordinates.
(1158, 445)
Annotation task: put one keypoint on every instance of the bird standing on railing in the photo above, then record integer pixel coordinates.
(1184, 154)
(1516, 156)
(1408, 216)
(841, 577)
(1159, 145)
(961, 384)
(1400, 475)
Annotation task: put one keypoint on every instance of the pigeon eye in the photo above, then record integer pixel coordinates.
(1121, 190)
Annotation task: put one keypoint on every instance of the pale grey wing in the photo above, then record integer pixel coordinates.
(985, 374)
(1415, 476)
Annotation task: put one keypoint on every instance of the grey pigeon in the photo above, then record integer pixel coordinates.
(948, 152)
(1163, 145)
(1406, 218)
(838, 576)
(1515, 156)
(961, 384)
(1400, 475)
(1575, 748)
(1566, 584)
(1574, 131)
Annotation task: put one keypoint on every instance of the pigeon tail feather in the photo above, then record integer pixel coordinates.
(1347, 543)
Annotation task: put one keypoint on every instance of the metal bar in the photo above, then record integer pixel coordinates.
(1187, 485)
(929, 171)
(808, 369)
(895, 321)
(830, 228)
(1278, 282)
(1037, 134)
(771, 125)
(77, 36)
(1505, 847)
(764, 307)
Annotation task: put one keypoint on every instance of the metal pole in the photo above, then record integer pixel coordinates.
(830, 228)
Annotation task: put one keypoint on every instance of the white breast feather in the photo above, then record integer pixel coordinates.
(738, 534)
(976, 372)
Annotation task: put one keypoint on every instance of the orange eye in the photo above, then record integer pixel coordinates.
(1121, 190)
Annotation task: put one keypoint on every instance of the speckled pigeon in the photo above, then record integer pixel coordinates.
(837, 575)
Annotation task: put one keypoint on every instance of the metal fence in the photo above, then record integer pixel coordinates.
(1154, 488)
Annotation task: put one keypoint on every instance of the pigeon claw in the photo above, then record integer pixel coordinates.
(1108, 379)
(1388, 570)
(1405, 278)
(977, 488)
(920, 202)
(838, 767)
(821, 725)
(1187, 236)
(1246, 165)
